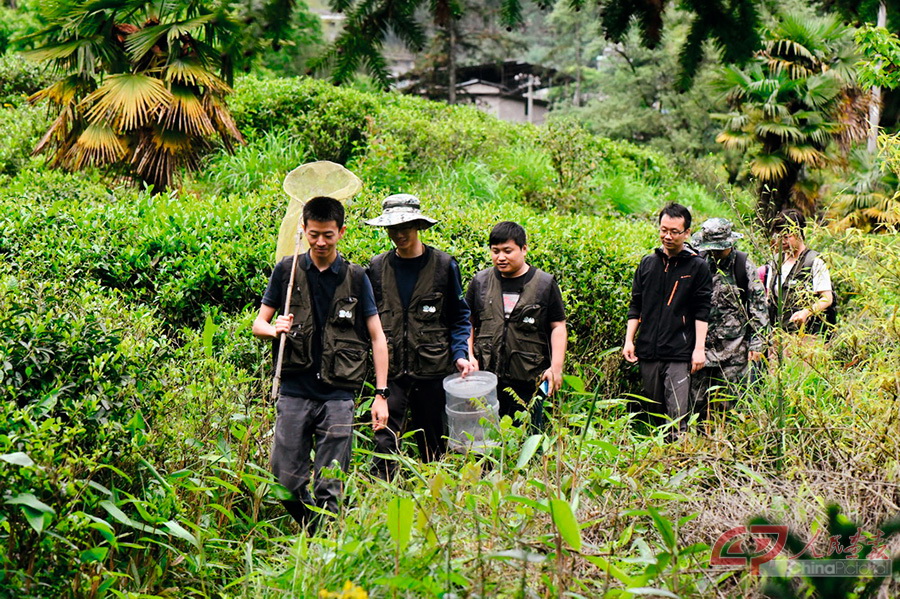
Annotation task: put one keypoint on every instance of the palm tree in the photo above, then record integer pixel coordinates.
(144, 86)
(795, 108)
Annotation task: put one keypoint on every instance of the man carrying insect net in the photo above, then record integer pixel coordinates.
(329, 327)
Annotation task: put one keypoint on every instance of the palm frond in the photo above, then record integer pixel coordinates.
(735, 140)
(822, 90)
(768, 167)
(223, 121)
(66, 91)
(97, 145)
(785, 131)
(57, 51)
(189, 71)
(186, 113)
(128, 100)
(805, 154)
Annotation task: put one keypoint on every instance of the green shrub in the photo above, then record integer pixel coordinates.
(262, 162)
(326, 120)
(19, 78)
(179, 255)
(22, 127)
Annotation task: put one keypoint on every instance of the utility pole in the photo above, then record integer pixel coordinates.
(530, 97)
(451, 62)
(875, 104)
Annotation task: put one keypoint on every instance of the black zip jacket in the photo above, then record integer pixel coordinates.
(668, 295)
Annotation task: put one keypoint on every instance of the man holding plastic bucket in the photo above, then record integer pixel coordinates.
(519, 324)
(418, 290)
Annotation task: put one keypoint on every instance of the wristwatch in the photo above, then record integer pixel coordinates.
(384, 392)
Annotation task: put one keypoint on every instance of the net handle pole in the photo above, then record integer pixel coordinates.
(276, 380)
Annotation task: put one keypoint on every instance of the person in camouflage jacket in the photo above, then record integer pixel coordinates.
(738, 318)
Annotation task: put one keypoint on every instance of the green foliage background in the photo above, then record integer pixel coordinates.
(134, 430)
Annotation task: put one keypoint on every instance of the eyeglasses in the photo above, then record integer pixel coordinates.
(673, 232)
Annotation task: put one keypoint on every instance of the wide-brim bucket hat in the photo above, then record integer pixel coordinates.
(399, 209)
(715, 234)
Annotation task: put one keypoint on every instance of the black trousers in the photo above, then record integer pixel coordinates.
(419, 404)
(525, 390)
(667, 386)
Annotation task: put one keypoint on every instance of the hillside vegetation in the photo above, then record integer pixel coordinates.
(135, 426)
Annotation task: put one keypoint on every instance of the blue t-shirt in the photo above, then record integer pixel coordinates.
(322, 285)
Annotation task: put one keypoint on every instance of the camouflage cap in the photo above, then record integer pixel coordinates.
(401, 208)
(715, 234)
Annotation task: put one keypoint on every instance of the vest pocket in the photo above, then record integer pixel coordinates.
(526, 366)
(484, 349)
(430, 307)
(432, 359)
(297, 348)
(349, 361)
(529, 319)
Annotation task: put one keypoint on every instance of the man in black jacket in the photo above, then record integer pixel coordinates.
(670, 301)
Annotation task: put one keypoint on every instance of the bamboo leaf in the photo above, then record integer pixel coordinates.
(18, 458)
(665, 529)
(176, 530)
(566, 523)
(400, 512)
(29, 500)
(652, 592)
(574, 382)
(529, 448)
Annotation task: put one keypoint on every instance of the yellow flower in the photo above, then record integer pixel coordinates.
(349, 591)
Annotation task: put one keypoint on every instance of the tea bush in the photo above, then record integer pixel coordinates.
(22, 128)
(328, 121)
(177, 254)
(19, 78)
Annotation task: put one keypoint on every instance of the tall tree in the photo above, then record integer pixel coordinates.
(795, 108)
(144, 83)
(731, 25)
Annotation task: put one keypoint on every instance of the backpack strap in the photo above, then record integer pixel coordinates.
(809, 256)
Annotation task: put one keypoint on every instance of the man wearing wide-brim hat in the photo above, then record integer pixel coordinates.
(418, 290)
(738, 318)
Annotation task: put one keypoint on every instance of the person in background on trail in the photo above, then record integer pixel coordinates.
(331, 324)
(738, 316)
(519, 324)
(419, 294)
(800, 292)
(670, 301)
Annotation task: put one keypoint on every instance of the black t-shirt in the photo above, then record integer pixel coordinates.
(512, 288)
(322, 285)
(406, 270)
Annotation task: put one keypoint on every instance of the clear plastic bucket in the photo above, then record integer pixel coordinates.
(472, 411)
